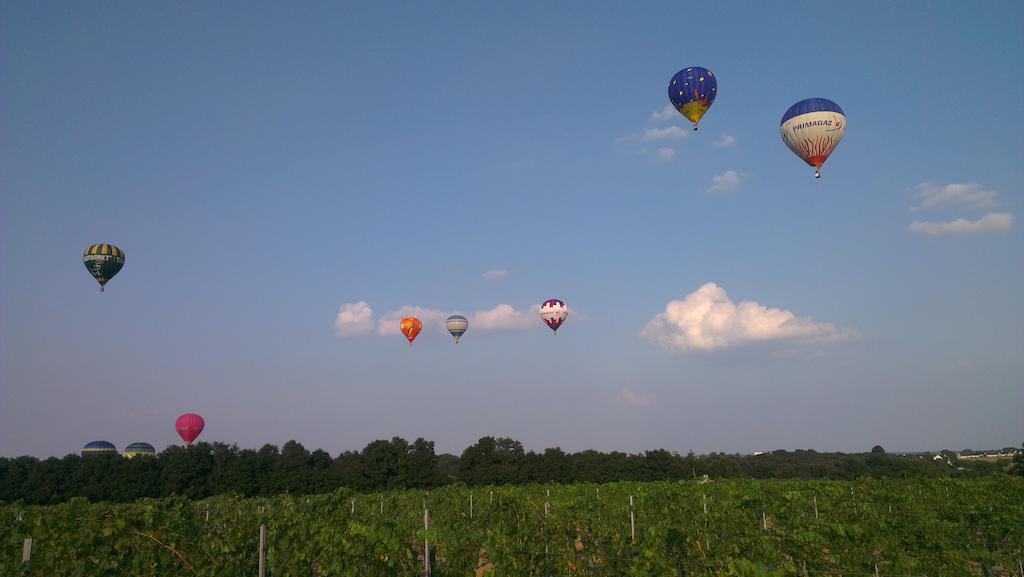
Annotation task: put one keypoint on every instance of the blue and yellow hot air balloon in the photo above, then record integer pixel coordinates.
(138, 450)
(692, 91)
(95, 448)
(103, 261)
(457, 325)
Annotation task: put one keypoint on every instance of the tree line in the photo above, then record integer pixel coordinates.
(207, 469)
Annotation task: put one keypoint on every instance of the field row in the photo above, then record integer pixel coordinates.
(899, 527)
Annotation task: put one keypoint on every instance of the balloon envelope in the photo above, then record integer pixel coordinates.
(411, 326)
(812, 129)
(189, 426)
(692, 91)
(553, 312)
(138, 450)
(457, 325)
(103, 261)
(99, 448)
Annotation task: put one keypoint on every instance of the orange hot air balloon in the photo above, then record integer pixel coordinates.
(411, 326)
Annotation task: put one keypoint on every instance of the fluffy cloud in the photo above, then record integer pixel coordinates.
(354, 319)
(667, 133)
(724, 141)
(634, 399)
(496, 274)
(504, 318)
(728, 181)
(635, 142)
(388, 324)
(707, 319)
(667, 113)
(991, 222)
(971, 195)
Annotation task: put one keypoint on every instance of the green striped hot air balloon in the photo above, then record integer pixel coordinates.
(103, 261)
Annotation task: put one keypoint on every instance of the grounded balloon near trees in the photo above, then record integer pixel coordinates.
(411, 326)
(139, 450)
(553, 313)
(457, 325)
(103, 261)
(189, 426)
(812, 129)
(98, 448)
(692, 91)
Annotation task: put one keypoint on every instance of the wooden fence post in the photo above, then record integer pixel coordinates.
(815, 506)
(26, 551)
(263, 554)
(704, 496)
(426, 542)
(632, 521)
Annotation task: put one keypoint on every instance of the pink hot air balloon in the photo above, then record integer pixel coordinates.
(189, 426)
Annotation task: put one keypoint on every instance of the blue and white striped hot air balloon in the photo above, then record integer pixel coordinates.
(812, 129)
(457, 325)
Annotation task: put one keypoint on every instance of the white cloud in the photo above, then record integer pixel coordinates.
(728, 181)
(504, 318)
(971, 195)
(666, 153)
(667, 113)
(724, 141)
(354, 319)
(634, 399)
(707, 319)
(496, 274)
(991, 222)
(388, 324)
(667, 133)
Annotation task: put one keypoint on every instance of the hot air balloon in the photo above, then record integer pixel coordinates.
(457, 325)
(692, 91)
(812, 129)
(553, 313)
(103, 261)
(189, 426)
(139, 450)
(98, 448)
(411, 326)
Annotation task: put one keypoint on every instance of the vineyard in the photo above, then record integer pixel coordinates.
(933, 527)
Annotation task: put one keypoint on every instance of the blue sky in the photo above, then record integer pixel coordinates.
(263, 165)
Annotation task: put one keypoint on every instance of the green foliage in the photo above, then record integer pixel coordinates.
(744, 568)
(205, 469)
(905, 527)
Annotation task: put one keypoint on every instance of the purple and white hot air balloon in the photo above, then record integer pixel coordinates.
(553, 313)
